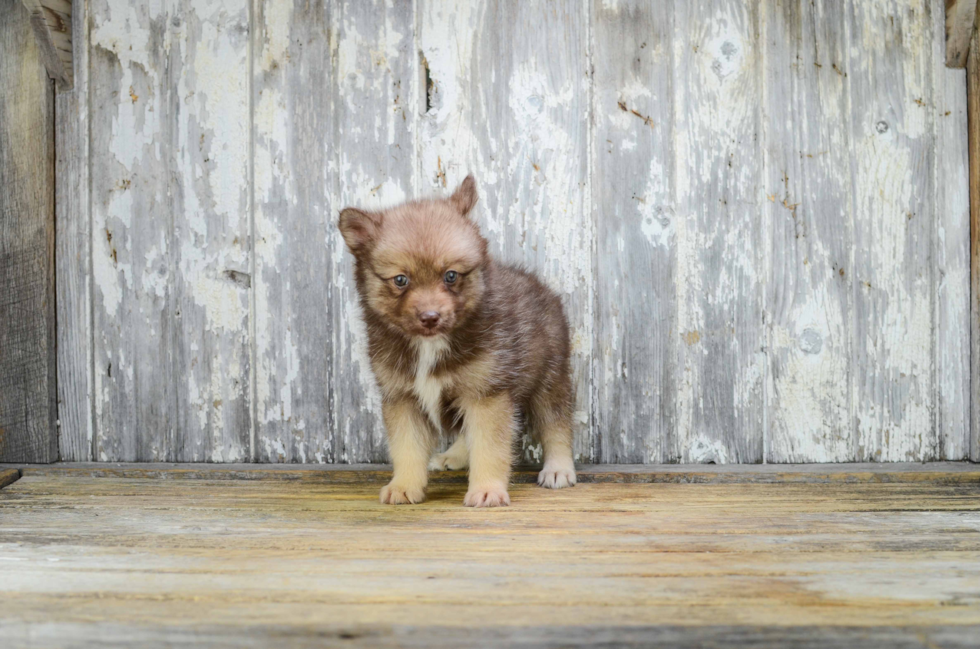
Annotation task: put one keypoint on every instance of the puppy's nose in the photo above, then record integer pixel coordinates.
(429, 319)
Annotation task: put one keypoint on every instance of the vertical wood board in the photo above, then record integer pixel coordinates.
(807, 187)
(508, 101)
(28, 394)
(73, 254)
(721, 234)
(634, 203)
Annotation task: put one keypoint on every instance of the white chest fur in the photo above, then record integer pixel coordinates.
(428, 389)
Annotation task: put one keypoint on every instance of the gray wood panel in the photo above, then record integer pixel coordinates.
(207, 73)
(720, 365)
(973, 136)
(891, 141)
(335, 96)
(73, 255)
(807, 188)
(755, 215)
(294, 179)
(951, 282)
(634, 203)
(28, 395)
(133, 144)
(508, 101)
(375, 114)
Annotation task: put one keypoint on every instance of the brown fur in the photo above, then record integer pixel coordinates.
(499, 353)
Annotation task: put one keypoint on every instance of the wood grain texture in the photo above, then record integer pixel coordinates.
(959, 31)
(171, 230)
(634, 202)
(348, 141)
(294, 181)
(260, 556)
(73, 240)
(951, 258)
(754, 213)
(973, 136)
(52, 24)
(720, 366)
(508, 100)
(807, 190)
(937, 473)
(8, 476)
(207, 72)
(134, 302)
(385, 636)
(28, 406)
(892, 139)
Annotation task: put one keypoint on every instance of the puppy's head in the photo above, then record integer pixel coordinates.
(421, 264)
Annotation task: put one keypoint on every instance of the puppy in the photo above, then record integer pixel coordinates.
(460, 345)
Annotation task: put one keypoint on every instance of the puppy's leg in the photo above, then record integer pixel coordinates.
(456, 457)
(410, 444)
(551, 420)
(489, 425)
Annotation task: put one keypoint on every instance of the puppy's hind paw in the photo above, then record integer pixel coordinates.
(557, 475)
(447, 462)
(397, 494)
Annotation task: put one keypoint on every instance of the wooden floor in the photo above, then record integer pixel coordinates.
(173, 555)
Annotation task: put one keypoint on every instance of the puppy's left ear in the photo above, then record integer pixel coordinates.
(360, 229)
(465, 196)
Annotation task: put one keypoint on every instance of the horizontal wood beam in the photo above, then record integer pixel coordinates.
(877, 472)
(51, 22)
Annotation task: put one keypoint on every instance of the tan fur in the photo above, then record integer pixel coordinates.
(471, 356)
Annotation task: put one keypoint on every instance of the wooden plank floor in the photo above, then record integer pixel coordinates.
(120, 555)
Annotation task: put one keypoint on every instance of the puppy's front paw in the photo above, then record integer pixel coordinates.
(448, 462)
(487, 496)
(557, 475)
(400, 494)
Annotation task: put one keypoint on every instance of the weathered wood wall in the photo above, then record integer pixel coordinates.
(757, 214)
(27, 294)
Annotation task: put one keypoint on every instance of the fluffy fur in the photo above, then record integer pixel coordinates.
(460, 345)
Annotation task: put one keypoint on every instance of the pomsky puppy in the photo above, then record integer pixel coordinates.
(460, 345)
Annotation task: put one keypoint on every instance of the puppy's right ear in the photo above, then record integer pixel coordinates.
(360, 228)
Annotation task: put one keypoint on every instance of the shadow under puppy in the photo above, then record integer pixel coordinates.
(459, 344)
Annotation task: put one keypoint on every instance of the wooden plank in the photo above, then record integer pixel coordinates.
(973, 118)
(376, 100)
(807, 204)
(508, 100)
(73, 240)
(719, 283)
(52, 26)
(384, 636)
(133, 150)
(28, 407)
(951, 256)
(208, 78)
(634, 207)
(171, 230)
(8, 476)
(347, 141)
(959, 31)
(294, 177)
(938, 473)
(892, 140)
(752, 556)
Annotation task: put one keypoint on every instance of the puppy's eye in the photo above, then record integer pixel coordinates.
(401, 281)
(451, 276)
